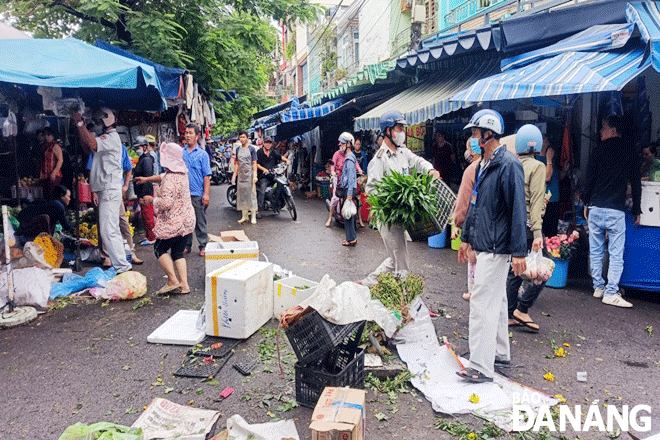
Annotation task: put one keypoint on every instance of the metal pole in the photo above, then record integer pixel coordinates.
(10, 280)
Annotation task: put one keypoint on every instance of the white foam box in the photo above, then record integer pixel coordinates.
(290, 291)
(239, 298)
(180, 329)
(219, 254)
(650, 204)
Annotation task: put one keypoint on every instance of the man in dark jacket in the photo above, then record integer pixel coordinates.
(145, 168)
(495, 229)
(612, 165)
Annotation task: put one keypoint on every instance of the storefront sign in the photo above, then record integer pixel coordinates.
(416, 135)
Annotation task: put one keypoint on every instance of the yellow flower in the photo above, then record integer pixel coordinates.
(474, 398)
(561, 398)
(560, 352)
(549, 377)
(566, 344)
(472, 436)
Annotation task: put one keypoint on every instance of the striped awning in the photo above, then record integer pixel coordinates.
(565, 74)
(298, 114)
(646, 16)
(596, 38)
(429, 98)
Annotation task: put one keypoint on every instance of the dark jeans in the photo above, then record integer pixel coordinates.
(200, 224)
(262, 184)
(349, 228)
(514, 282)
(551, 219)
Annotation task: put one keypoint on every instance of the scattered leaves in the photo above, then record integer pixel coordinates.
(168, 390)
(131, 410)
(380, 416)
(549, 377)
(649, 330)
(143, 302)
(560, 352)
(561, 398)
(126, 367)
(474, 398)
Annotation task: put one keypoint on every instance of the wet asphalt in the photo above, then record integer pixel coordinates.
(89, 361)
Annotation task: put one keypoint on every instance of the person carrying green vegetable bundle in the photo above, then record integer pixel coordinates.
(393, 156)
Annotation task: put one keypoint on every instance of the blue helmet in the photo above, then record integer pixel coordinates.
(487, 119)
(390, 119)
(529, 139)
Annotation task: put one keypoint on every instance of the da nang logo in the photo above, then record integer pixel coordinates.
(530, 414)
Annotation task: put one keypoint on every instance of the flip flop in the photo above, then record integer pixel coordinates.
(516, 324)
(473, 376)
(167, 289)
(349, 243)
(527, 324)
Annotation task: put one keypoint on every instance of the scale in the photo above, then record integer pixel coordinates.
(10, 315)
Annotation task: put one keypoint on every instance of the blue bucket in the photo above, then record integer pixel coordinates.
(438, 241)
(559, 275)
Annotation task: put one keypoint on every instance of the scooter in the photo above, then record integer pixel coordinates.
(278, 194)
(219, 170)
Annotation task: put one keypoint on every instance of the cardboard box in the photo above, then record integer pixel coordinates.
(223, 253)
(339, 415)
(236, 235)
(290, 291)
(239, 299)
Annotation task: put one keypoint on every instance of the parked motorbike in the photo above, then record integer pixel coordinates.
(278, 193)
(219, 169)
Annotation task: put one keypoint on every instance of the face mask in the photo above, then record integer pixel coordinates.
(139, 151)
(399, 138)
(474, 144)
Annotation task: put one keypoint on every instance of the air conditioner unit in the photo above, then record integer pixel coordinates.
(418, 13)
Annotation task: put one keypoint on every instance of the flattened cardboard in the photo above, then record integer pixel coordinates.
(339, 414)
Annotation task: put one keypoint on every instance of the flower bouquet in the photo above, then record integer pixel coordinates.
(562, 246)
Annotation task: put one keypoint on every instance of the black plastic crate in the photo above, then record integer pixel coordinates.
(313, 336)
(311, 379)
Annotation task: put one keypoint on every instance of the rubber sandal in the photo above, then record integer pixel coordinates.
(167, 289)
(349, 243)
(527, 325)
(473, 376)
(516, 323)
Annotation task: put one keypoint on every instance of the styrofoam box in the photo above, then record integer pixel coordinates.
(239, 298)
(650, 204)
(180, 329)
(220, 254)
(287, 293)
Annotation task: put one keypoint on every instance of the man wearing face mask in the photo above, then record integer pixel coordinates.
(393, 156)
(106, 178)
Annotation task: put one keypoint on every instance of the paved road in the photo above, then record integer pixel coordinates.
(90, 361)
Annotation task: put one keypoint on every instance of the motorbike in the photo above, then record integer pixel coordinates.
(219, 169)
(278, 193)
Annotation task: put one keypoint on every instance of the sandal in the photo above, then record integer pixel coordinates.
(530, 326)
(473, 376)
(349, 243)
(168, 289)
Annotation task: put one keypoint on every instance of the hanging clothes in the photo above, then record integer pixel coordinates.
(189, 91)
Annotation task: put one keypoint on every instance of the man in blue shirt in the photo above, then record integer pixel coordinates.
(199, 175)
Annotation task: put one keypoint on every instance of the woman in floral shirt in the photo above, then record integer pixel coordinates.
(174, 215)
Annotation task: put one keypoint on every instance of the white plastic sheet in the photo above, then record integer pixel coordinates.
(239, 429)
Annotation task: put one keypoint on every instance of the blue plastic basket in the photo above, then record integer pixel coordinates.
(559, 275)
(438, 241)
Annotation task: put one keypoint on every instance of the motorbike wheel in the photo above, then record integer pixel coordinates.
(291, 207)
(231, 195)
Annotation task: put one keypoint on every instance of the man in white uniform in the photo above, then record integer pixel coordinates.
(106, 178)
(393, 155)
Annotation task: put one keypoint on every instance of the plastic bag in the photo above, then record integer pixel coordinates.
(128, 285)
(539, 269)
(349, 209)
(31, 286)
(101, 431)
(75, 283)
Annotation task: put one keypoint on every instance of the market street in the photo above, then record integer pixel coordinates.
(90, 361)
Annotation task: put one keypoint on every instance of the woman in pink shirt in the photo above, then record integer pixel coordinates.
(175, 217)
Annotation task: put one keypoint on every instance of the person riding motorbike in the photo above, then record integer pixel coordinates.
(267, 158)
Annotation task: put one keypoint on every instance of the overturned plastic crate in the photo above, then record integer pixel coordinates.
(312, 336)
(341, 366)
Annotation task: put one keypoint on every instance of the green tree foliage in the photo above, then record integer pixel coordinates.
(227, 43)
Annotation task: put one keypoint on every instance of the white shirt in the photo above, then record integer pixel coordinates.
(402, 161)
(107, 172)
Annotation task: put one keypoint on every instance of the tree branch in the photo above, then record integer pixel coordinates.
(82, 16)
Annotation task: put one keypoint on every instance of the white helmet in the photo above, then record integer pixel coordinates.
(487, 119)
(106, 115)
(346, 137)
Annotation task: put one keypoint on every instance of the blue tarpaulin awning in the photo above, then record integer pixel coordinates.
(646, 16)
(564, 74)
(299, 114)
(169, 77)
(97, 74)
(596, 38)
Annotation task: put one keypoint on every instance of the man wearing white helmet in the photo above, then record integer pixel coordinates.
(393, 156)
(106, 178)
(495, 229)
